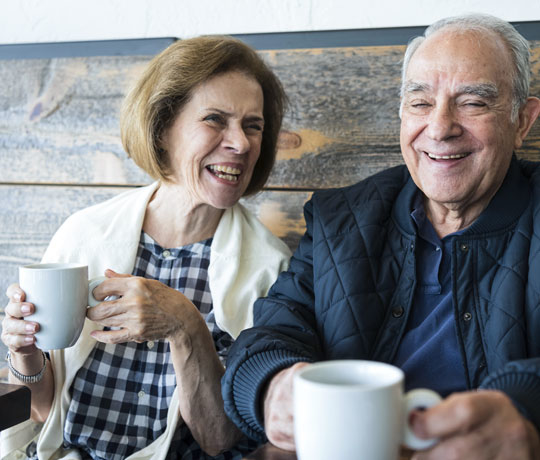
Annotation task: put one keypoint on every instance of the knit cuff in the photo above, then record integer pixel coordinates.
(249, 381)
(523, 388)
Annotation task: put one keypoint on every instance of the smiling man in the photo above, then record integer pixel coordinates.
(433, 266)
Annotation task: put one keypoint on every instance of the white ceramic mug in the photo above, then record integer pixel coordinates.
(61, 293)
(353, 409)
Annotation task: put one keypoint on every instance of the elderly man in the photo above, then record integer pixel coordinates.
(434, 267)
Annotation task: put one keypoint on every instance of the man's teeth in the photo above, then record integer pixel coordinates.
(447, 157)
(225, 172)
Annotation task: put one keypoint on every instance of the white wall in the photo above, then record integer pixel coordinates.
(27, 21)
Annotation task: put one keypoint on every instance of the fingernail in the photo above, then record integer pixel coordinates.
(17, 297)
(29, 339)
(30, 327)
(25, 308)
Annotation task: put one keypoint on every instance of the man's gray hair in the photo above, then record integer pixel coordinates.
(518, 46)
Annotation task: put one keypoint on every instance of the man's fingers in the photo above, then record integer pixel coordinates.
(470, 446)
(459, 413)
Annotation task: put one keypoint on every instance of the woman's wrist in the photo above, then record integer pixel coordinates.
(24, 377)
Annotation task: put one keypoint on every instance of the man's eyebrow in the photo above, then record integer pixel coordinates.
(483, 90)
(414, 87)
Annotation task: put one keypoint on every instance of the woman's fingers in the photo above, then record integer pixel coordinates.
(18, 333)
(118, 336)
(15, 293)
(19, 309)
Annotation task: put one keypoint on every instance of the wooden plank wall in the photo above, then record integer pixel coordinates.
(60, 148)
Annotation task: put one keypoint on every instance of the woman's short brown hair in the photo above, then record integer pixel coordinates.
(166, 86)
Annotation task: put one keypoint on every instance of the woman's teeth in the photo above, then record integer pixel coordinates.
(225, 172)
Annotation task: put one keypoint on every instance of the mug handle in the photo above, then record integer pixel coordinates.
(415, 399)
(92, 284)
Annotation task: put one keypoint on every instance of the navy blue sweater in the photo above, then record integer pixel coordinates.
(351, 282)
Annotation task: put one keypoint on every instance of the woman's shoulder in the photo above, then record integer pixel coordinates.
(118, 203)
(113, 209)
(119, 217)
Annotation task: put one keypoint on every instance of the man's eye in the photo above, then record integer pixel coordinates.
(255, 127)
(419, 105)
(475, 104)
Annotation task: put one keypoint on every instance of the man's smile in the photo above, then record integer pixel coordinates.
(447, 156)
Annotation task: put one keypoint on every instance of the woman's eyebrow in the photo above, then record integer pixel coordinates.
(225, 113)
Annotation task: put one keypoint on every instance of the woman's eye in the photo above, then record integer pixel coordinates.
(255, 127)
(214, 118)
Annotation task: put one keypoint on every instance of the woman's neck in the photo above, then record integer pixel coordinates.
(172, 219)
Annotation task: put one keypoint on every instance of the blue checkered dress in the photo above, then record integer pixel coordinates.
(121, 396)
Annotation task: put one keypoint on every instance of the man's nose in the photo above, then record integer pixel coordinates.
(443, 123)
(235, 139)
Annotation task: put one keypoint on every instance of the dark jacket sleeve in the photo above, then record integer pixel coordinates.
(284, 333)
(520, 380)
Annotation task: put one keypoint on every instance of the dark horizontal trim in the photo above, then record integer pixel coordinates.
(131, 47)
(264, 41)
(529, 29)
(356, 37)
(332, 38)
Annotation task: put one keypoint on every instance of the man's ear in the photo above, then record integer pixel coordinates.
(527, 116)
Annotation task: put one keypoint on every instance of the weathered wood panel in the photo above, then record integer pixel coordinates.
(59, 120)
(59, 117)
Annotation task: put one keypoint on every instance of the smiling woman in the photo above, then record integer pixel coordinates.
(215, 142)
(185, 260)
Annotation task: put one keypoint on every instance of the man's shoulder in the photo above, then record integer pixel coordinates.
(382, 187)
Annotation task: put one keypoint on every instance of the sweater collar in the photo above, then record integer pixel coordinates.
(502, 211)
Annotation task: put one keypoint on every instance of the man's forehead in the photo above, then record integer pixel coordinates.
(460, 59)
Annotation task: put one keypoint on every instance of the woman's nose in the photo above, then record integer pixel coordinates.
(236, 140)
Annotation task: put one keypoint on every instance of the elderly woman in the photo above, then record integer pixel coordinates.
(184, 261)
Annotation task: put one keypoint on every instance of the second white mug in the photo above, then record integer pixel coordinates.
(354, 409)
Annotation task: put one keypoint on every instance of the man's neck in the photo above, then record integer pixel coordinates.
(447, 219)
